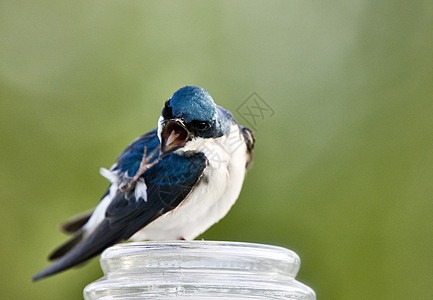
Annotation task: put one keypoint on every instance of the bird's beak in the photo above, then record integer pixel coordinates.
(173, 136)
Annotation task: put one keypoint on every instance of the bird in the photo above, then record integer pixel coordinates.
(171, 183)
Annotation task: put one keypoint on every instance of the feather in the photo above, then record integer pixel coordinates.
(66, 247)
(168, 183)
(249, 140)
(76, 223)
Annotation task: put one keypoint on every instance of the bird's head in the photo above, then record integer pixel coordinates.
(188, 117)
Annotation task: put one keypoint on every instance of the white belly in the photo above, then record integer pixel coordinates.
(211, 199)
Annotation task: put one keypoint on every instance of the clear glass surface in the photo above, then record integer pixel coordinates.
(198, 270)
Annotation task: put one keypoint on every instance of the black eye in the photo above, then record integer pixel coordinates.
(201, 126)
(167, 112)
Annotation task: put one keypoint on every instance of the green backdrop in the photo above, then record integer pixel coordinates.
(343, 170)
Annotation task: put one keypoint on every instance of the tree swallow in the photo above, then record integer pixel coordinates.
(173, 182)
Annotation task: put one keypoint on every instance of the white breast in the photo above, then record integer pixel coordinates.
(212, 198)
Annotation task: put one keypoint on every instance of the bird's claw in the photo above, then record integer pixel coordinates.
(129, 182)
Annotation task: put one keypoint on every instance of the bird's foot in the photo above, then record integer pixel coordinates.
(129, 183)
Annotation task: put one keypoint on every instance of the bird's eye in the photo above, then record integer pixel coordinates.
(167, 112)
(201, 125)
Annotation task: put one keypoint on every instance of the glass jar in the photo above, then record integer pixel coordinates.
(198, 270)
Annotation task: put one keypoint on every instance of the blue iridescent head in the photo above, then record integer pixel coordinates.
(192, 103)
(189, 114)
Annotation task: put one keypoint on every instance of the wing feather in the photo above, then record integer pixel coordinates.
(168, 184)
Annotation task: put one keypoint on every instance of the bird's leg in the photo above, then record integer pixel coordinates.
(129, 183)
(145, 165)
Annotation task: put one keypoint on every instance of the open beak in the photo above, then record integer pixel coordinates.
(173, 136)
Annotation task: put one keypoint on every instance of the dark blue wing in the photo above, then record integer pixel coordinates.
(127, 164)
(168, 183)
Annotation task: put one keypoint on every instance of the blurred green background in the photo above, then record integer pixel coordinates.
(343, 171)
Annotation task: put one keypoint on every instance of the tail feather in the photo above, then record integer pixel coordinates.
(75, 224)
(66, 247)
(84, 250)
